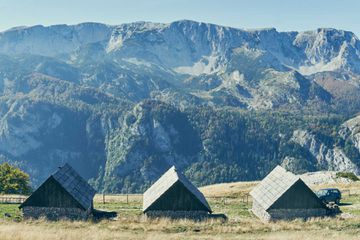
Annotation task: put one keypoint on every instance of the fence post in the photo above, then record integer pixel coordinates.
(103, 198)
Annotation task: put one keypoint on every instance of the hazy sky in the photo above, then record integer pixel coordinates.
(282, 14)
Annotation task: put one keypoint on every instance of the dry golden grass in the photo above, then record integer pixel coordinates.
(111, 198)
(223, 199)
(241, 188)
(165, 229)
(228, 189)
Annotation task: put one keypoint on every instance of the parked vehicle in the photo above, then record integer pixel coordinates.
(328, 195)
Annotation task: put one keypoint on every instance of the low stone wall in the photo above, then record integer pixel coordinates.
(53, 213)
(259, 211)
(288, 214)
(194, 215)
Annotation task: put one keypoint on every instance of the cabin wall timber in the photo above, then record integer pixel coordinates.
(299, 196)
(52, 194)
(177, 198)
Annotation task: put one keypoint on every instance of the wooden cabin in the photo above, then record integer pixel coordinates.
(282, 195)
(65, 194)
(174, 196)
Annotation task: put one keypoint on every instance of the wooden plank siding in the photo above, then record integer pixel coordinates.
(51, 194)
(298, 196)
(177, 198)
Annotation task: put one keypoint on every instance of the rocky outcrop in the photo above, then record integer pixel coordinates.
(327, 158)
(257, 69)
(351, 130)
(147, 144)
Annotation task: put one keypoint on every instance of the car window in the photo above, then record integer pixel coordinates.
(321, 192)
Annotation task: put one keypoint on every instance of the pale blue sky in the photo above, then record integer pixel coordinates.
(282, 14)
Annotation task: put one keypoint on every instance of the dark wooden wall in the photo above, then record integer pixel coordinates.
(177, 198)
(299, 196)
(51, 194)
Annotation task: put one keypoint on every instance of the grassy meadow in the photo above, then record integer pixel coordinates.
(223, 198)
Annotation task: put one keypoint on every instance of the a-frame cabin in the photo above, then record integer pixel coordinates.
(282, 195)
(65, 194)
(173, 195)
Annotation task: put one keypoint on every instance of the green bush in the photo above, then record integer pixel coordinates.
(13, 180)
(348, 175)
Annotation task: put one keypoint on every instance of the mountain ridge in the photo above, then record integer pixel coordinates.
(121, 103)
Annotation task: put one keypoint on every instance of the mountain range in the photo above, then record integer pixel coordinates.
(123, 103)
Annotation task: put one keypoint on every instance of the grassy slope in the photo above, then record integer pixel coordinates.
(223, 198)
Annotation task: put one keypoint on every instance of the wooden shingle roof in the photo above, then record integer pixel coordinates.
(75, 185)
(167, 180)
(273, 186)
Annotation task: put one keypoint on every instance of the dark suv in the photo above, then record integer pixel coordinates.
(328, 195)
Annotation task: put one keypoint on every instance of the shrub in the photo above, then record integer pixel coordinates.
(348, 175)
(13, 180)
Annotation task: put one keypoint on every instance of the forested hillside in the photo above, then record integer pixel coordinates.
(123, 103)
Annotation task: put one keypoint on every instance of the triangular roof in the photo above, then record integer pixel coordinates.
(166, 181)
(73, 184)
(273, 186)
